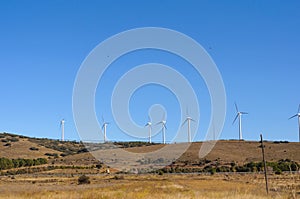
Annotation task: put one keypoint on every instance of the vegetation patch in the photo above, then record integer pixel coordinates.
(33, 148)
(55, 155)
(6, 163)
(133, 144)
(84, 180)
(67, 148)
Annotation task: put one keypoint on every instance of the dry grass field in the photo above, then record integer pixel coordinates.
(150, 186)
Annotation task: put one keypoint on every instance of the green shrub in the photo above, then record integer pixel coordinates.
(278, 171)
(6, 163)
(212, 171)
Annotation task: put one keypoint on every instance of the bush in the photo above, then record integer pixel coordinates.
(212, 171)
(84, 150)
(7, 144)
(52, 154)
(278, 172)
(63, 154)
(84, 180)
(98, 166)
(34, 149)
(160, 172)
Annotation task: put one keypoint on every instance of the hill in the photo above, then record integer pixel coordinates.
(76, 153)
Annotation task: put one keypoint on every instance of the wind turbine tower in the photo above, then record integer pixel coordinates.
(104, 127)
(149, 125)
(62, 126)
(188, 121)
(239, 115)
(164, 127)
(297, 115)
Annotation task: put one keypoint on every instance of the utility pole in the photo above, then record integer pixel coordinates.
(264, 160)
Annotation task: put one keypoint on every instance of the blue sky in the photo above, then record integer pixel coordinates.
(255, 45)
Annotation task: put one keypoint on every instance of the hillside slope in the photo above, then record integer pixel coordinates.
(241, 152)
(14, 146)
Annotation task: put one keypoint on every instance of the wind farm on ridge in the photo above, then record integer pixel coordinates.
(188, 120)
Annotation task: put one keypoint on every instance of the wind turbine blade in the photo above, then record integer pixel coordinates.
(293, 116)
(187, 111)
(165, 126)
(193, 120)
(102, 119)
(236, 107)
(184, 122)
(158, 123)
(235, 118)
(299, 109)
(244, 113)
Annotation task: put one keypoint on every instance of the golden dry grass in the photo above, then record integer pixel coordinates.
(21, 149)
(148, 186)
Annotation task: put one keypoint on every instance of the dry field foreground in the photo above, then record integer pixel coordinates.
(150, 186)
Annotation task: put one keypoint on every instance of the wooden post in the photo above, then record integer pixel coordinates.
(264, 160)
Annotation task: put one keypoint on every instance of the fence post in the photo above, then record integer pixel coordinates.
(264, 160)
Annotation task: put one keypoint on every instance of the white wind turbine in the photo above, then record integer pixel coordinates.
(62, 126)
(239, 115)
(149, 125)
(104, 127)
(188, 121)
(297, 115)
(163, 129)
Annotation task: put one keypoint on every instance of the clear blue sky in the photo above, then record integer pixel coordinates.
(255, 44)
